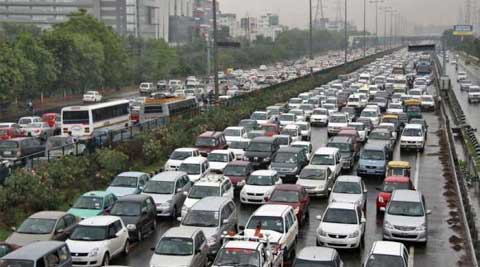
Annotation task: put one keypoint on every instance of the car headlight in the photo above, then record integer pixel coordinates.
(387, 225)
(267, 159)
(421, 227)
(320, 232)
(211, 241)
(354, 234)
(93, 252)
(131, 227)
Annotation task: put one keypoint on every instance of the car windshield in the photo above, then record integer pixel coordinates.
(200, 191)
(266, 223)
(174, 246)
(315, 263)
(201, 218)
(248, 123)
(180, 155)
(159, 187)
(372, 155)
(287, 117)
(295, 101)
(256, 133)
(238, 145)
(259, 116)
(291, 132)
(260, 147)
(283, 140)
(91, 203)
(368, 114)
(338, 119)
(8, 145)
(237, 257)
(232, 170)
(283, 157)
(125, 181)
(381, 260)
(306, 107)
(37, 226)
(343, 147)
(354, 99)
(217, 157)
(342, 216)
(190, 168)
(347, 188)
(204, 141)
(124, 208)
(412, 132)
(232, 132)
(390, 186)
(395, 106)
(54, 142)
(16, 263)
(89, 233)
(269, 128)
(379, 135)
(313, 174)
(323, 159)
(471, 90)
(285, 196)
(260, 180)
(406, 208)
(413, 109)
(320, 112)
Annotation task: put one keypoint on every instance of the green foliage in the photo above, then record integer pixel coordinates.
(110, 163)
(11, 78)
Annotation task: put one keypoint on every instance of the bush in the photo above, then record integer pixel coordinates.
(110, 163)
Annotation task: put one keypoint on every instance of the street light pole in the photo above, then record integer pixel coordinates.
(376, 2)
(364, 28)
(386, 10)
(346, 40)
(311, 32)
(392, 12)
(215, 55)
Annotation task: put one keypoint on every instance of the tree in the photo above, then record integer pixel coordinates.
(11, 78)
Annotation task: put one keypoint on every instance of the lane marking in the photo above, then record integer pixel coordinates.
(411, 255)
(417, 171)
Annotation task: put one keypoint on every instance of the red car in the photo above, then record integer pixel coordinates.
(271, 129)
(389, 184)
(238, 171)
(294, 195)
(9, 131)
(209, 141)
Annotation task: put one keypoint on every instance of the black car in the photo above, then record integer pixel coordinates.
(138, 213)
(261, 150)
(289, 162)
(20, 148)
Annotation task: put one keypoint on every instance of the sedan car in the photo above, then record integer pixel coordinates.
(317, 256)
(390, 184)
(38, 129)
(349, 189)
(92, 96)
(92, 204)
(293, 195)
(127, 183)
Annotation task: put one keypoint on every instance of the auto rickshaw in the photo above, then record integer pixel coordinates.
(413, 108)
(392, 118)
(398, 168)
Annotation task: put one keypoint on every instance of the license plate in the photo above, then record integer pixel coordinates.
(8, 153)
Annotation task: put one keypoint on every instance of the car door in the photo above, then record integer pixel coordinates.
(178, 196)
(144, 221)
(201, 249)
(338, 166)
(287, 238)
(226, 220)
(227, 189)
(108, 203)
(59, 232)
(361, 219)
(305, 200)
(118, 237)
(71, 223)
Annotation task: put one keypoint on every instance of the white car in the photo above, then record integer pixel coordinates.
(390, 126)
(386, 253)
(235, 133)
(428, 102)
(96, 240)
(195, 167)
(299, 113)
(474, 94)
(279, 222)
(92, 96)
(294, 131)
(330, 157)
(178, 156)
(287, 118)
(258, 186)
(294, 102)
(349, 189)
(371, 114)
(212, 185)
(261, 117)
(342, 226)
(305, 145)
(354, 101)
(39, 129)
(395, 108)
(319, 117)
(330, 107)
(361, 129)
(305, 130)
(413, 137)
(218, 159)
(24, 121)
(336, 122)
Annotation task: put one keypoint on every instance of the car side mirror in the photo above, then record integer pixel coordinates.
(363, 220)
(198, 251)
(179, 219)
(329, 189)
(179, 190)
(14, 229)
(225, 221)
(429, 212)
(318, 217)
(59, 231)
(365, 191)
(241, 228)
(185, 193)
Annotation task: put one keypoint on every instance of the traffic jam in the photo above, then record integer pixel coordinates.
(244, 196)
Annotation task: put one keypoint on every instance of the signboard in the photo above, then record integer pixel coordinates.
(421, 48)
(462, 30)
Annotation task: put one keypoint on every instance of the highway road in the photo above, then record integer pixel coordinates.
(444, 247)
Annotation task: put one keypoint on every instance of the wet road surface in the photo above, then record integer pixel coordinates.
(428, 172)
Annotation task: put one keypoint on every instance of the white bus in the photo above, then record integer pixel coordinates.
(81, 121)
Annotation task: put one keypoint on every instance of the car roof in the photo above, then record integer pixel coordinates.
(210, 203)
(413, 126)
(97, 194)
(99, 220)
(290, 149)
(373, 147)
(183, 232)
(316, 167)
(406, 195)
(273, 210)
(340, 139)
(239, 163)
(349, 178)
(265, 139)
(132, 174)
(210, 179)
(326, 150)
(33, 251)
(242, 244)
(186, 149)
(289, 187)
(210, 134)
(397, 179)
(264, 172)
(220, 151)
(168, 175)
(133, 198)
(48, 215)
(235, 128)
(194, 160)
(314, 253)
(341, 205)
(301, 143)
(387, 248)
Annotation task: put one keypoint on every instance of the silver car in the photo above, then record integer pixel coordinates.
(181, 247)
(214, 216)
(318, 256)
(406, 217)
(168, 190)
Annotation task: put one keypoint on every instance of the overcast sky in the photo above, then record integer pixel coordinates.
(294, 13)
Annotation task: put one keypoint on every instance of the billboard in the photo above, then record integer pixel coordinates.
(462, 30)
(421, 48)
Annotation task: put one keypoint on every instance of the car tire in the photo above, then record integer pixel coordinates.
(126, 248)
(106, 259)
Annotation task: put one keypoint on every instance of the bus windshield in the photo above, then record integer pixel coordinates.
(75, 117)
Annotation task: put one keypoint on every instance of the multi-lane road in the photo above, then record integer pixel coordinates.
(445, 245)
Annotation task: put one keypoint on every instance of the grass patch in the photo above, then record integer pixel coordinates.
(4, 233)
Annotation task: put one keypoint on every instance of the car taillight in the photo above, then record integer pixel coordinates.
(87, 130)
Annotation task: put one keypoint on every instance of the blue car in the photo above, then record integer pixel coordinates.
(373, 160)
(128, 183)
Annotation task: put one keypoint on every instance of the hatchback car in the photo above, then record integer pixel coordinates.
(92, 204)
(406, 217)
(20, 148)
(127, 183)
(389, 185)
(138, 213)
(168, 191)
(179, 247)
(258, 186)
(43, 226)
(318, 256)
(293, 195)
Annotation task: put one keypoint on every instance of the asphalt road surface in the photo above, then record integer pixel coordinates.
(443, 247)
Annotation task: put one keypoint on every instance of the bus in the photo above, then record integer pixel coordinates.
(155, 108)
(81, 121)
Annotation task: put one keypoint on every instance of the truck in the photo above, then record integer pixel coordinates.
(253, 251)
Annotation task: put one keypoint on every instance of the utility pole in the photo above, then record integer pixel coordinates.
(311, 32)
(386, 10)
(346, 40)
(376, 2)
(364, 28)
(392, 12)
(215, 55)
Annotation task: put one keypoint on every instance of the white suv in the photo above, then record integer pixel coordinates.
(330, 157)
(218, 160)
(413, 137)
(342, 225)
(336, 122)
(96, 240)
(212, 185)
(178, 156)
(279, 222)
(92, 96)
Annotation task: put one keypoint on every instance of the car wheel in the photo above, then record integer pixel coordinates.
(126, 248)
(106, 260)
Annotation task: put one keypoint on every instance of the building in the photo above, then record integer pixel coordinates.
(269, 26)
(229, 21)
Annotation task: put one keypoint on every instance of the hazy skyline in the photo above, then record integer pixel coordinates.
(294, 13)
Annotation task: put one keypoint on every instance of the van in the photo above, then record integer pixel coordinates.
(373, 160)
(328, 156)
(209, 141)
(40, 254)
(147, 88)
